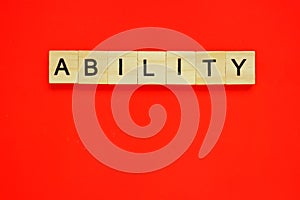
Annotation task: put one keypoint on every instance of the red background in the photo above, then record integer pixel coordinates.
(257, 156)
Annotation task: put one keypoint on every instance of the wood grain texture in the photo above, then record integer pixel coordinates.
(210, 67)
(61, 59)
(128, 64)
(86, 75)
(155, 72)
(181, 67)
(245, 61)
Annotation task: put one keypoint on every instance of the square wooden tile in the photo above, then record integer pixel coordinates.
(93, 67)
(122, 67)
(240, 67)
(211, 67)
(181, 67)
(151, 67)
(63, 66)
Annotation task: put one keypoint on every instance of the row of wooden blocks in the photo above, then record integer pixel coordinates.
(152, 67)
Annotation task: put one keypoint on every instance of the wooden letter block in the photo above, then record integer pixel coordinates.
(240, 67)
(210, 67)
(181, 67)
(151, 67)
(93, 67)
(63, 66)
(122, 67)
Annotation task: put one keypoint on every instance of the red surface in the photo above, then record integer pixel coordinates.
(257, 156)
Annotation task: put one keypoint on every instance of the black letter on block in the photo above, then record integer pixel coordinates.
(64, 68)
(91, 66)
(238, 66)
(145, 69)
(209, 65)
(120, 66)
(179, 67)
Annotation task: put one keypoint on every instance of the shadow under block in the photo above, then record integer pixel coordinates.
(63, 66)
(240, 67)
(210, 67)
(151, 67)
(181, 67)
(122, 67)
(92, 67)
